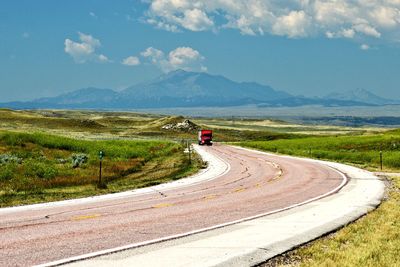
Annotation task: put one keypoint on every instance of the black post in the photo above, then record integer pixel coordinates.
(100, 174)
(101, 155)
(381, 159)
(190, 156)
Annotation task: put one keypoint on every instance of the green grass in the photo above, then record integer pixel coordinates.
(45, 169)
(362, 150)
(373, 240)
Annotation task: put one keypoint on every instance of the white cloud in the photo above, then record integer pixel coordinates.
(367, 30)
(85, 50)
(93, 15)
(185, 58)
(295, 24)
(196, 20)
(102, 58)
(343, 33)
(131, 61)
(364, 47)
(358, 19)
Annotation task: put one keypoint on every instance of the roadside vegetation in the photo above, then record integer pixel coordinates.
(361, 150)
(40, 167)
(373, 240)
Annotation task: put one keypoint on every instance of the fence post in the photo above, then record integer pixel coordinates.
(190, 156)
(101, 155)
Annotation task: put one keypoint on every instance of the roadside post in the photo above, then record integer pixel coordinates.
(188, 150)
(101, 155)
(381, 159)
(190, 154)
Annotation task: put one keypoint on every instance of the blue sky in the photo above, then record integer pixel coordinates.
(304, 47)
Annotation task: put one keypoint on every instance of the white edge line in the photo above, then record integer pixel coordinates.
(154, 241)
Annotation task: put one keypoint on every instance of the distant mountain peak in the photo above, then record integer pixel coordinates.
(361, 95)
(201, 89)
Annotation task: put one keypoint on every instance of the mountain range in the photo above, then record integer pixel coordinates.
(191, 89)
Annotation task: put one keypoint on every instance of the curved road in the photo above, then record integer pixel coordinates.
(255, 184)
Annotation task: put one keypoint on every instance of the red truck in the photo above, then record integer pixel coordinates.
(205, 137)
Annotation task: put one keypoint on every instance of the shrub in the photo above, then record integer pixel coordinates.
(36, 169)
(7, 172)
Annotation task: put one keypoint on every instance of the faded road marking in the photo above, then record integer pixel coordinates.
(85, 217)
(162, 205)
(209, 197)
(237, 190)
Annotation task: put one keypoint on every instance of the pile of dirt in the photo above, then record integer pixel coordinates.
(183, 126)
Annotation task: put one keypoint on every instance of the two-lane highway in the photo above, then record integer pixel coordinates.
(254, 184)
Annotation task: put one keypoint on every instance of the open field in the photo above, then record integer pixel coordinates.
(120, 125)
(279, 126)
(40, 167)
(361, 150)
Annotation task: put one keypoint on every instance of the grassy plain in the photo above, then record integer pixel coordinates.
(361, 149)
(131, 125)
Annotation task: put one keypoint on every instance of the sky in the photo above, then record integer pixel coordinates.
(304, 47)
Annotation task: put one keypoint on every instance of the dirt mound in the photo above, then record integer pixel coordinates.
(183, 126)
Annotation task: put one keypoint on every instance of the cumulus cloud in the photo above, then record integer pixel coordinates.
(295, 24)
(185, 58)
(360, 19)
(131, 61)
(85, 50)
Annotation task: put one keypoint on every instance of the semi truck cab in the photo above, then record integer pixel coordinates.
(205, 137)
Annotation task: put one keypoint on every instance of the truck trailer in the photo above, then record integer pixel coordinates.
(205, 137)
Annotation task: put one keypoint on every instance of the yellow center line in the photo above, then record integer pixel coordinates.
(208, 197)
(163, 205)
(237, 190)
(85, 217)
